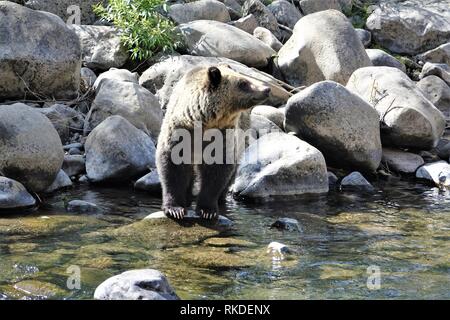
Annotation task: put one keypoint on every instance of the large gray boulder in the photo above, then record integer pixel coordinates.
(339, 123)
(279, 164)
(440, 54)
(199, 10)
(324, 46)
(407, 118)
(311, 6)
(412, 26)
(117, 151)
(262, 14)
(61, 8)
(285, 12)
(13, 195)
(101, 47)
(437, 91)
(116, 74)
(31, 151)
(217, 39)
(129, 100)
(161, 78)
(39, 55)
(247, 23)
(380, 58)
(144, 284)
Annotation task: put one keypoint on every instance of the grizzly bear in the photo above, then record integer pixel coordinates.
(213, 97)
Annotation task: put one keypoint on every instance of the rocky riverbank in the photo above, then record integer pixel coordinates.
(350, 106)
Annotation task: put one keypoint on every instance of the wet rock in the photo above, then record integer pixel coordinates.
(356, 180)
(365, 37)
(150, 182)
(267, 37)
(31, 151)
(311, 6)
(247, 23)
(280, 164)
(74, 165)
(278, 250)
(144, 284)
(410, 27)
(60, 8)
(62, 181)
(287, 224)
(380, 58)
(13, 195)
(76, 145)
(285, 12)
(339, 123)
(332, 179)
(221, 221)
(437, 91)
(400, 161)
(440, 54)
(199, 10)
(227, 242)
(116, 74)
(117, 151)
(324, 46)
(88, 77)
(80, 206)
(74, 152)
(273, 114)
(429, 157)
(129, 100)
(217, 39)
(437, 69)
(437, 172)
(262, 14)
(101, 47)
(46, 58)
(408, 119)
(162, 77)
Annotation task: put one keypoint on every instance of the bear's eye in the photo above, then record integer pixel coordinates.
(244, 85)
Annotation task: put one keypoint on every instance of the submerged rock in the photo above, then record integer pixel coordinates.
(193, 217)
(39, 289)
(117, 151)
(287, 224)
(31, 151)
(280, 164)
(13, 195)
(324, 46)
(80, 206)
(144, 284)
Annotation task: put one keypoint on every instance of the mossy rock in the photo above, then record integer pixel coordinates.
(164, 233)
(228, 242)
(38, 289)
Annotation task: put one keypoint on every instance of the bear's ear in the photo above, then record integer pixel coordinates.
(215, 77)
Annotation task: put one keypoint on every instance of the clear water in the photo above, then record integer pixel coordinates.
(403, 229)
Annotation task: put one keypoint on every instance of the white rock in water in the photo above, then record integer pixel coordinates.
(278, 250)
(144, 284)
(438, 172)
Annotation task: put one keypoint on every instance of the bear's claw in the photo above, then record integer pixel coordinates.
(175, 212)
(208, 215)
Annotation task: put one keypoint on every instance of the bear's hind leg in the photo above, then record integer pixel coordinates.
(176, 182)
(214, 179)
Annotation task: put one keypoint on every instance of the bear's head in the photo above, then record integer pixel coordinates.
(239, 91)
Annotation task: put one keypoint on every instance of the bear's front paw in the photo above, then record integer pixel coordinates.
(208, 214)
(175, 212)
